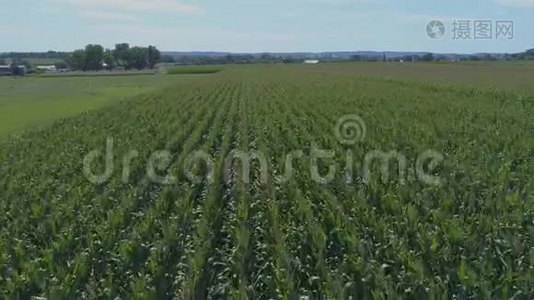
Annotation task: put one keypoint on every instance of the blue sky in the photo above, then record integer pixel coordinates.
(259, 25)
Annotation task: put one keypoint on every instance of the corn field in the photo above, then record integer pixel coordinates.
(253, 230)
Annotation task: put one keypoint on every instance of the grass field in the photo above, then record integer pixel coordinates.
(103, 73)
(28, 102)
(175, 215)
(194, 70)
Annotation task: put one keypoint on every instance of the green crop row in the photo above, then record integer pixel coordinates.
(262, 233)
(193, 70)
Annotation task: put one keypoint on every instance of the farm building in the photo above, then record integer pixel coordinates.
(5, 70)
(48, 68)
(311, 61)
(8, 71)
(21, 71)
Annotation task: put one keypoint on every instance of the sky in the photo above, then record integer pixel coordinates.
(262, 25)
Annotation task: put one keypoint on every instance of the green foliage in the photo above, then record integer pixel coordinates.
(94, 57)
(121, 54)
(77, 60)
(427, 57)
(109, 60)
(141, 58)
(154, 56)
(138, 58)
(61, 65)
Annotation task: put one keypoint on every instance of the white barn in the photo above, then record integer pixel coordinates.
(47, 68)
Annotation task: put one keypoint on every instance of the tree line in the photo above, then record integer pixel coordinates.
(527, 55)
(96, 58)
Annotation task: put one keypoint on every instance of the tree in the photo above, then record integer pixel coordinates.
(121, 54)
(408, 58)
(487, 57)
(3, 62)
(168, 59)
(109, 60)
(154, 56)
(289, 60)
(77, 60)
(427, 57)
(138, 58)
(60, 65)
(26, 63)
(17, 70)
(94, 57)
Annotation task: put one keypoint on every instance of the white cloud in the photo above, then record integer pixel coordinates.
(516, 3)
(101, 15)
(140, 5)
(190, 39)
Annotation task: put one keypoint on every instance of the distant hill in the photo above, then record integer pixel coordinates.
(318, 55)
(220, 57)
